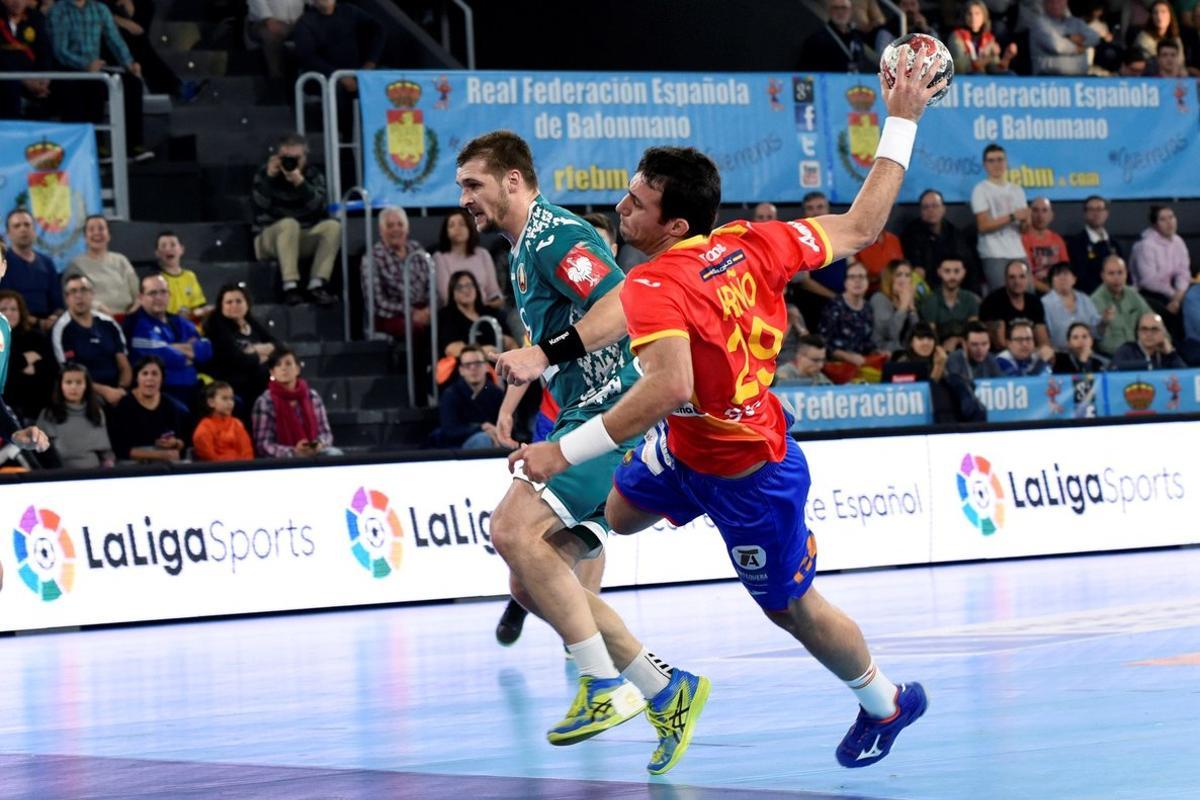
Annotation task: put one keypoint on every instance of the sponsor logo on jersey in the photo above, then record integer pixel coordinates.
(750, 563)
(806, 236)
(522, 281)
(731, 260)
(582, 270)
(648, 282)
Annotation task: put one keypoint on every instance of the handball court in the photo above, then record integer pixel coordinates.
(1072, 677)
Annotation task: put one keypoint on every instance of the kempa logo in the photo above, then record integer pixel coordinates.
(376, 537)
(981, 493)
(45, 553)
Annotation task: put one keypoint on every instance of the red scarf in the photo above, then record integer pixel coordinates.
(291, 427)
(12, 43)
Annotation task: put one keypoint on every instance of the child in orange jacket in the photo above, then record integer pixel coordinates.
(221, 436)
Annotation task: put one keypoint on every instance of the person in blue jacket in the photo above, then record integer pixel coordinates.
(152, 331)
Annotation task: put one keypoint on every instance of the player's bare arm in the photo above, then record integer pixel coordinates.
(602, 325)
(504, 420)
(906, 101)
(665, 385)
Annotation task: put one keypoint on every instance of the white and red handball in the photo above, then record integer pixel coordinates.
(924, 51)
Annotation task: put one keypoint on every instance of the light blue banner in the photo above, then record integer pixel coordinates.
(588, 130)
(826, 408)
(1066, 138)
(1019, 399)
(51, 170)
(1159, 392)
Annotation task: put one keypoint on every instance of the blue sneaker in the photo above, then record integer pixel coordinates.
(673, 713)
(600, 704)
(870, 739)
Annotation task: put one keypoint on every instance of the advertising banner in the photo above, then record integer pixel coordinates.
(1143, 393)
(888, 405)
(51, 170)
(1066, 138)
(1036, 397)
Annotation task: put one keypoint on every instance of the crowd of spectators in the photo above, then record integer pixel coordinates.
(1026, 37)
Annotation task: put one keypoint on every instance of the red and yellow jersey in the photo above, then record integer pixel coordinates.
(724, 293)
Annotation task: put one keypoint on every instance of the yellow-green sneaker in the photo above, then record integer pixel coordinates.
(673, 713)
(600, 704)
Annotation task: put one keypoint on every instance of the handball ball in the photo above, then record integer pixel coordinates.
(925, 49)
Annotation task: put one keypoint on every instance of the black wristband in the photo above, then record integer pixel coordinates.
(566, 345)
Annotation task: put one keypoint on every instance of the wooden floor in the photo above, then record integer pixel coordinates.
(1056, 678)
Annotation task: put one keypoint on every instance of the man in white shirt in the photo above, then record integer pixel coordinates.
(1001, 212)
(270, 23)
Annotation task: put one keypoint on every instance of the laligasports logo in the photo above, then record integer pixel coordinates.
(45, 553)
(981, 493)
(376, 538)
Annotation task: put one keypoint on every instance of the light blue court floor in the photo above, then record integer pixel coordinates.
(1057, 678)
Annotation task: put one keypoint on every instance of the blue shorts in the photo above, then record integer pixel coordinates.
(760, 516)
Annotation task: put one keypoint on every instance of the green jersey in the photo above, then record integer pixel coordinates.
(561, 268)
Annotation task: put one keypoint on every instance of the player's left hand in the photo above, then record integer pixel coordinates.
(519, 367)
(543, 460)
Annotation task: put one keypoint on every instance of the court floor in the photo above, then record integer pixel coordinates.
(1057, 678)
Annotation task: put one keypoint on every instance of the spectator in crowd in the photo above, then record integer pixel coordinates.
(221, 436)
(949, 302)
(974, 48)
(1119, 305)
(1103, 59)
(458, 251)
(975, 359)
(1043, 247)
(392, 256)
(888, 32)
(93, 339)
(810, 292)
(952, 335)
(1161, 266)
(77, 28)
(1000, 212)
(607, 230)
(1079, 356)
(840, 46)
(133, 18)
(923, 360)
(114, 283)
(241, 346)
(765, 212)
(894, 307)
(457, 317)
(1065, 305)
(868, 15)
(1090, 248)
(848, 326)
(469, 406)
(1015, 301)
(333, 36)
(270, 24)
(931, 238)
(1021, 358)
(187, 297)
(1191, 321)
(75, 423)
(1058, 42)
(32, 368)
(289, 418)
(1168, 61)
(24, 47)
(1133, 64)
(1161, 25)
(290, 212)
(1152, 349)
(876, 256)
(807, 365)
(148, 425)
(31, 273)
(152, 331)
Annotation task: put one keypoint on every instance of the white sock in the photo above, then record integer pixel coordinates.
(315, 283)
(875, 692)
(289, 285)
(649, 673)
(591, 656)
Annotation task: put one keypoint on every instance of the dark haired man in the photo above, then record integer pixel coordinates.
(706, 317)
(31, 273)
(1089, 248)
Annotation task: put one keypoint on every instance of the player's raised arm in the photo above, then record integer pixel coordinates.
(906, 101)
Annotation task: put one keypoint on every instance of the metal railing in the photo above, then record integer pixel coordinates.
(494, 324)
(333, 135)
(468, 31)
(302, 123)
(343, 209)
(115, 127)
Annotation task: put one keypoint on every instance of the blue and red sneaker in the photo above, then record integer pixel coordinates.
(870, 739)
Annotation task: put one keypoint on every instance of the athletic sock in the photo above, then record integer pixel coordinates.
(875, 692)
(649, 673)
(592, 658)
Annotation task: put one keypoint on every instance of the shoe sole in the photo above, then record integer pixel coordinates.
(698, 701)
(587, 732)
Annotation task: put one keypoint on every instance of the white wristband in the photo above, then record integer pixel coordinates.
(589, 440)
(896, 141)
